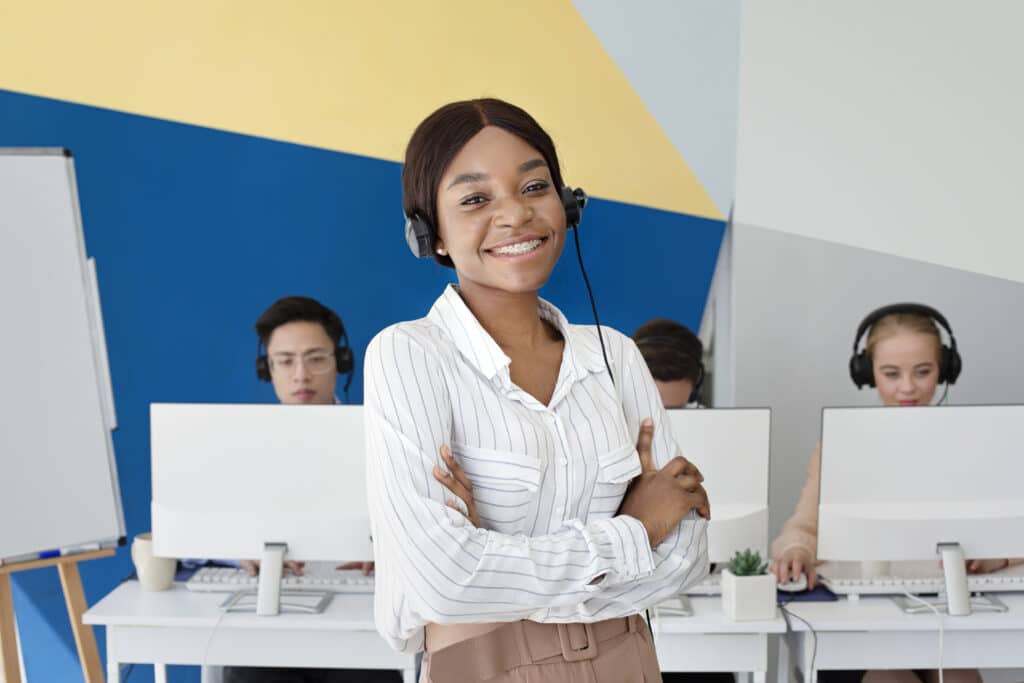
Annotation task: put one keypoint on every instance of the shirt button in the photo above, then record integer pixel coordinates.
(559, 510)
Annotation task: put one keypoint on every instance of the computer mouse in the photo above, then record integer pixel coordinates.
(794, 586)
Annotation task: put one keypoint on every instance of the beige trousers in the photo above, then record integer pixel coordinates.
(612, 651)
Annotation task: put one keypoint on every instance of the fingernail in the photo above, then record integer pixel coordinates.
(647, 422)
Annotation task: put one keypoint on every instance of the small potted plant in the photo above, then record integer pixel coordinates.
(748, 590)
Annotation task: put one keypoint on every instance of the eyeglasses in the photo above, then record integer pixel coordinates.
(316, 363)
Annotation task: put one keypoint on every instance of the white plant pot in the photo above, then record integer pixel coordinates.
(748, 598)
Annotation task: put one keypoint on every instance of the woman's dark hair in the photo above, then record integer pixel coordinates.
(290, 309)
(444, 133)
(671, 350)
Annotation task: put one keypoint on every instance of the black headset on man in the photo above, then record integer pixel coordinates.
(950, 363)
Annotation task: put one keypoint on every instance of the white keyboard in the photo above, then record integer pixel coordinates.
(929, 581)
(231, 579)
(709, 585)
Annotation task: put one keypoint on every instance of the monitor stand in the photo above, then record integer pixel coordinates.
(956, 599)
(269, 596)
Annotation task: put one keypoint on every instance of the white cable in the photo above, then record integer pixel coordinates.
(209, 641)
(938, 614)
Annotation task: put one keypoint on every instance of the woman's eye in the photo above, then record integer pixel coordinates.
(891, 375)
(537, 186)
(475, 199)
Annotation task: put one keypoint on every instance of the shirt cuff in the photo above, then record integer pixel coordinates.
(633, 559)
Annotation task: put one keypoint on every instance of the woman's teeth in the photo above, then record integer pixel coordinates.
(518, 248)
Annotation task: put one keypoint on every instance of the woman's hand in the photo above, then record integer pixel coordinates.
(661, 498)
(793, 562)
(365, 565)
(456, 481)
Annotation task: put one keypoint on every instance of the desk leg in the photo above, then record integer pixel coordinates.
(159, 673)
(760, 676)
(113, 663)
(409, 675)
(807, 648)
(810, 675)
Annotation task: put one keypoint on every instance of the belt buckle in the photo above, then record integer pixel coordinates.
(571, 654)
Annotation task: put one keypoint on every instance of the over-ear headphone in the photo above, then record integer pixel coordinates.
(420, 235)
(676, 345)
(344, 360)
(861, 369)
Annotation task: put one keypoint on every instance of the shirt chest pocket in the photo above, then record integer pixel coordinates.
(505, 486)
(616, 468)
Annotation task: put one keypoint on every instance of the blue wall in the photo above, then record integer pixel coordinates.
(195, 231)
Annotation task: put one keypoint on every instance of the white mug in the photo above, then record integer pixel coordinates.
(155, 573)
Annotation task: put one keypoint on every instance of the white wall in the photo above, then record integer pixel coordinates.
(796, 306)
(893, 126)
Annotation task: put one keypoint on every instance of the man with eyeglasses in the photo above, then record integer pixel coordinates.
(304, 350)
(304, 356)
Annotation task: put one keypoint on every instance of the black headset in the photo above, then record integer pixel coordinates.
(861, 370)
(421, 236)
(344, 360)
(676, 345)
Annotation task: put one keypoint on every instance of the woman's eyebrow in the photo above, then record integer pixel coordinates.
(467, 178)
(477, 177)
(532, 164)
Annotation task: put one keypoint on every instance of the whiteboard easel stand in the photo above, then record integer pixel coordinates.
(74, 598)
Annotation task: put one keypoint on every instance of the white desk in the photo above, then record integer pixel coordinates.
(874, 633)
(181, 627)
(707, 641)
(175, 627)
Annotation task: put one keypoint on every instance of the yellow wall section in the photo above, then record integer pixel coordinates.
(353, 76)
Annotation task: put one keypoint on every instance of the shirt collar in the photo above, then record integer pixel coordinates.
(452, 315)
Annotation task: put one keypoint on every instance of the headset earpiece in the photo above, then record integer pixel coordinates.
(419, 236)
(695, 394)
(262, 368)
(573, 202)
(344, 360)
(951, 364)
(861, 371)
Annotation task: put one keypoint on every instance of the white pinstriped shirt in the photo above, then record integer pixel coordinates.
(547, 480)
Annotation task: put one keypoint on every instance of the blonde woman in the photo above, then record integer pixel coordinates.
(905, 360)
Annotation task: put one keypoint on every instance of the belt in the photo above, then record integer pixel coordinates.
(520, 643)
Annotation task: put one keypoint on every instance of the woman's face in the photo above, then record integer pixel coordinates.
(500, 217)
(906, 369)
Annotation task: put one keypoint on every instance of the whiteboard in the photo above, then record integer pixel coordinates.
(58, 478)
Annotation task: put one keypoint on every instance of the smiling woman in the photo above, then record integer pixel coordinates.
(495, 405)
